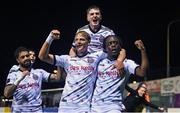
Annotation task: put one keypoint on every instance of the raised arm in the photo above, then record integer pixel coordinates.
(119, 62)
(142, 69)
(122, 56)
(44, 51)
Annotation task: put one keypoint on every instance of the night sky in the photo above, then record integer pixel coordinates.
(29, 22)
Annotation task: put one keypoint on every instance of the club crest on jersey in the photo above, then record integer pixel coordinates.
(101, 38)
(90, 60)
(35, 77)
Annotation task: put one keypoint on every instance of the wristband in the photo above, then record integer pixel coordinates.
(49, 39)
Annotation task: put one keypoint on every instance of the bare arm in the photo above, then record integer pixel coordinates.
(122, 55)
(142, 69)
(10, 89)
(44, 51)
(119, 63)
(153, 105)
(72, 52)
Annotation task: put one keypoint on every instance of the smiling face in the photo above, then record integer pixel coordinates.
(82, 40)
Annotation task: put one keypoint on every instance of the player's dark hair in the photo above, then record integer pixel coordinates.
(114, 36)
(141, 85)
(19, 50)
(93, 7)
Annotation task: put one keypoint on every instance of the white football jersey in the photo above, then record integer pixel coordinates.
(96, 37)
(110, 85)
(80, 80)
(27, 96)
(14, 68)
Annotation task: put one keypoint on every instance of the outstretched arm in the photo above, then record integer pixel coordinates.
(142, 69)
(153, 105)
(129, 89)
(44, 51)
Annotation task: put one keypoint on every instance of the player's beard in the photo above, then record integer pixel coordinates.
(26, 64)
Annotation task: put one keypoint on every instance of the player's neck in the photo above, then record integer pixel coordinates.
(24, 69)
(94, 28)
(82, 54)
(112, 58)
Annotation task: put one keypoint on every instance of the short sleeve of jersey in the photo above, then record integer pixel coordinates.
(101, 55)
(131, 65)
(112, 32)
(14, 68)
(12, 74)
(45, 75)
(61, 60)
(11, 78)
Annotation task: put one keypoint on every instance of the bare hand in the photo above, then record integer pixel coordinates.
(139, 44)
(25, 73)
(55, 34)
(22, 76)
(161, 109)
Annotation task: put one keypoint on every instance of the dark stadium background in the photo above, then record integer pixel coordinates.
(28, 23)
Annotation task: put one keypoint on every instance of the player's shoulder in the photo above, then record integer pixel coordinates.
(98, 53)
(36, 70)
(105, 28)
(128, 62)
(85, 27)
(63, 56)
(14, 68)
